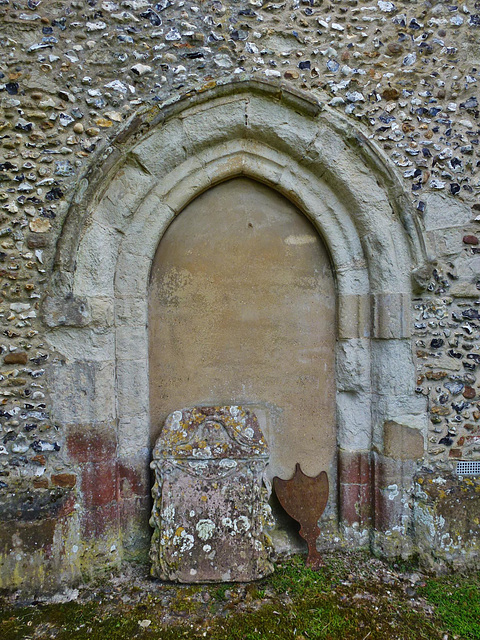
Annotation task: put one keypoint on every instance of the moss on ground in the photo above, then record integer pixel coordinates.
(354, 596)
(457, 602)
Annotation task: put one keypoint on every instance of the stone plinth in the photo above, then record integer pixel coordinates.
(210, 505)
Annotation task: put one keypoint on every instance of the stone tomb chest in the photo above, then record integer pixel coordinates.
(210, 503)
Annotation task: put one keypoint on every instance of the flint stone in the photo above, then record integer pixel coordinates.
(455, 387)
(210, 503)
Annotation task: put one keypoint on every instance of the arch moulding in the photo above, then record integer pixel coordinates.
(162, 159)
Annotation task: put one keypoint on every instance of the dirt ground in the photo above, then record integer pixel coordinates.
(355, 596)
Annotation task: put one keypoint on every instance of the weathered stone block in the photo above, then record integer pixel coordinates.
(70, 311)
(124, 195)
(82, 345)
(97, 253)
(353, 365)
(273, 122)
(167, 143)
(391, 315)
(133, 516)
(129, 308)
(204, 125)
(132, 435)
(131, 343)
(393, 480)
(402, 442)
(388, 378)
(132, 379)
(209, 503)
(354, 420)
(442, 212)
(353, 316)
(83, 391)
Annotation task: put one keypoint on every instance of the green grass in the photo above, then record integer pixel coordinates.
(297, 580)
(457, 601)
(219, 592)
(345, 600)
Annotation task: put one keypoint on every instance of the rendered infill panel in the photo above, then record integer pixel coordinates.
(242, 310)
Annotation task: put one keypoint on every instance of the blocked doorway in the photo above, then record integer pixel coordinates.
(242, 311)
(97, 308)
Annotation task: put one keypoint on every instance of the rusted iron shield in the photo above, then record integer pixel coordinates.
(304, 498)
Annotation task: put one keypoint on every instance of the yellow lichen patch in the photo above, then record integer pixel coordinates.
(185, 448)
(103, 122)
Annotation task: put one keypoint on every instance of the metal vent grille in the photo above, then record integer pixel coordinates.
(465, 468)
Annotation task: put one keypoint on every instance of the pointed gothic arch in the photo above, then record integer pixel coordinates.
(162, 159)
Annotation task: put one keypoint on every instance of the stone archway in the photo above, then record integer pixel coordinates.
(162, 161)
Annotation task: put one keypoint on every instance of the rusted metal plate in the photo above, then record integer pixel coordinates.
(209, 499)
(304, 499)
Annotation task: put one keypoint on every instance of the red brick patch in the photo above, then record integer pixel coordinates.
(130, 481)
(97, 521)
(354, 467)
(91, 446)
(16, 357)
(455, 453)
(40, 483)
(99, 483)
(355, 501)
(68, 480)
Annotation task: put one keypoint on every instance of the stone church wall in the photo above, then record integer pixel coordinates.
(80, 83)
